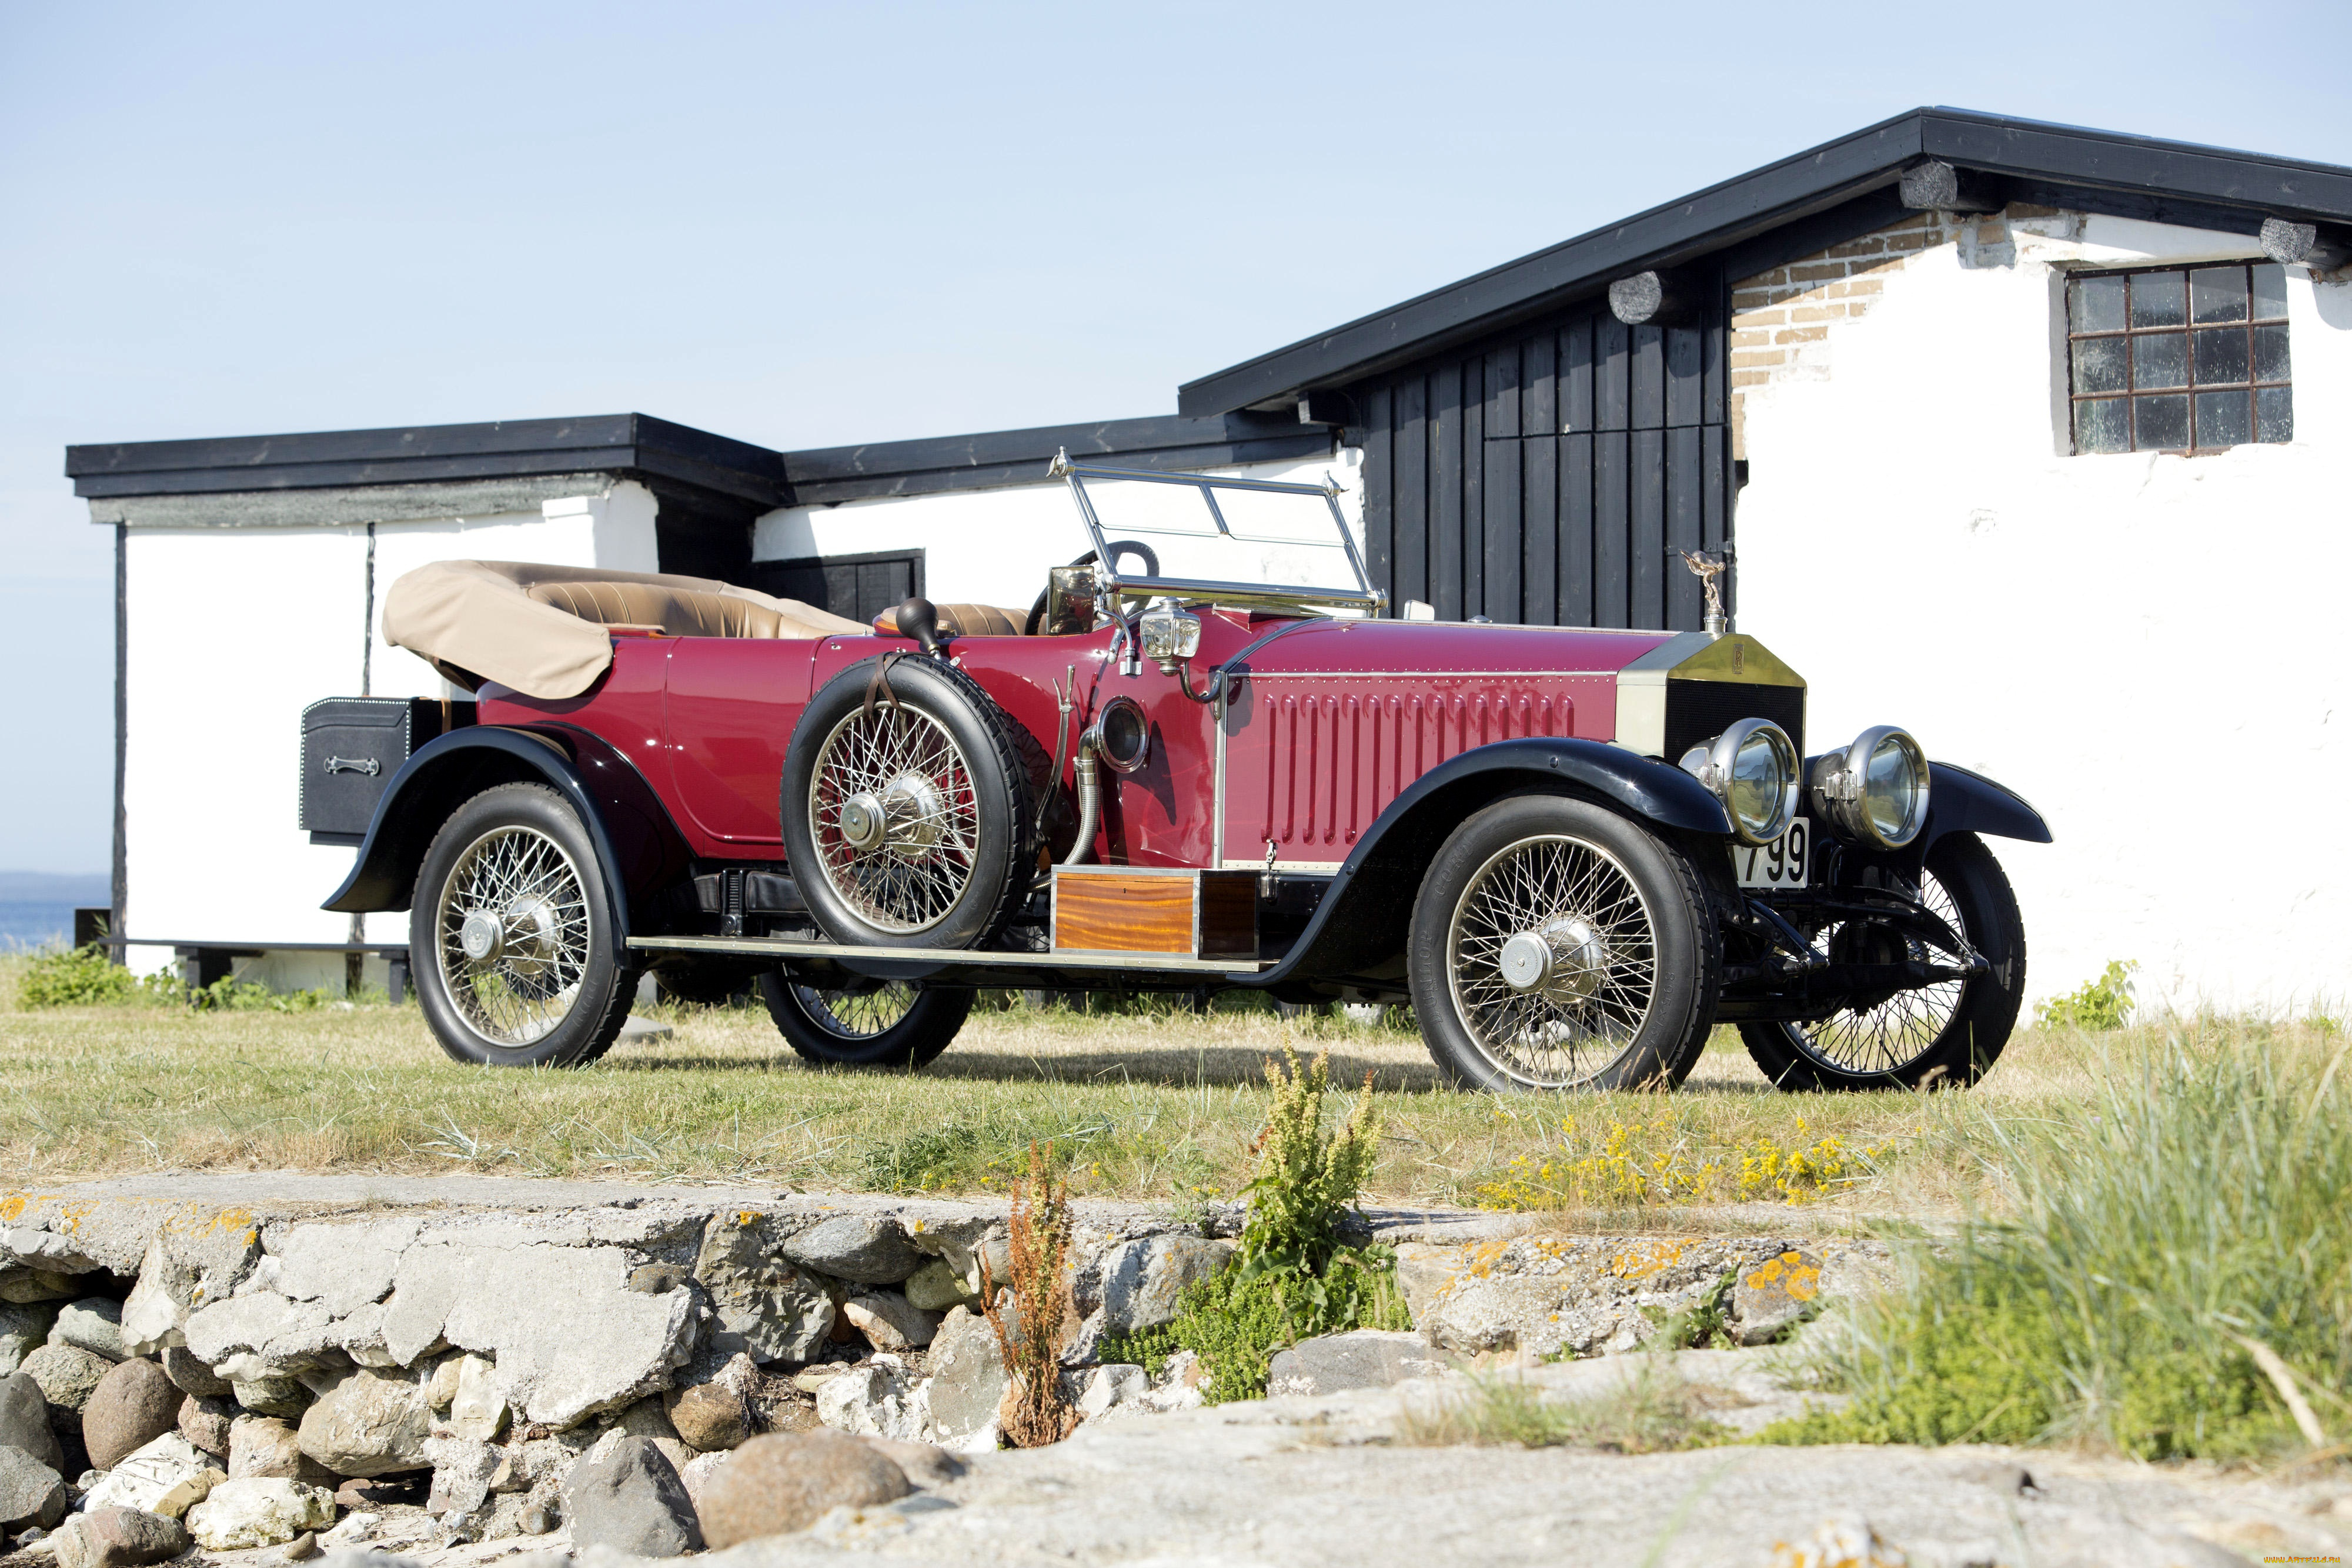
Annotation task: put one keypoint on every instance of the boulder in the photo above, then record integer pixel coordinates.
(716, 1414)
(695, 1476)
(1365, 1358)
(30, 1492)
(939, 1285)
(206, 1423)
(67, 1374)
(193, 1261)
(440, 1385)
(112, 1537)
(873, 1400)
(870, 1249)
(259, 1510)
(143, 1479)
(193, 1376)
(765, 1307)
(23, 1330)
(1141, 1280)
(968, 1382)
(477, 1409)
(924, 1464)
(462, 1470)
(370, 1423)
(175, 1504)
(93, 1324)
(775, 1484)
(627, 1497)
(25, 1419)
(281, 1396)
(890, 1321)
(1776, 1295)
(1100, 1389)
(266, 1447)
(132, 1404)
(21, 1286)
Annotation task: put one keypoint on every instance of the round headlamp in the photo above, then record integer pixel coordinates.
(1874, 792)
(1121, 737)
(1752, 769)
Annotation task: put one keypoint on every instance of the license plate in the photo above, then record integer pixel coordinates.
(1781, 863)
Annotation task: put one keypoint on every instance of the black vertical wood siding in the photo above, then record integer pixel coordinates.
(1544, 477)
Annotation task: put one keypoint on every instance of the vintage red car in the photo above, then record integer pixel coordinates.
(1207, 758)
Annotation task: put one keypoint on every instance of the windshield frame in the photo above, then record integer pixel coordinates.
(1363, 597)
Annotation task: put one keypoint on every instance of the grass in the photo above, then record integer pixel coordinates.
(1654, 1410)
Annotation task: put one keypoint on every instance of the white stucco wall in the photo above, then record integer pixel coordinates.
(233, 630)
(2147, 647)
(993, 546)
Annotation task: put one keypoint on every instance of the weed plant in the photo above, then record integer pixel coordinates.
(88, 976)
(2158, 1250)
(2105, 1003)
(1656, 1410)
(1032, 1317)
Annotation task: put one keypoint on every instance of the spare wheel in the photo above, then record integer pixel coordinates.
(905, 808)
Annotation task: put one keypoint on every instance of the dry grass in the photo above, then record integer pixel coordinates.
(1156, 1106)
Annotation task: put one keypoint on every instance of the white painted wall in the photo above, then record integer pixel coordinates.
(994, 547)
(233, 631)
(2148, 647)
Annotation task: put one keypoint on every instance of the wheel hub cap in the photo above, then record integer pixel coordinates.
(915, 809)
(483, 936)
(1564, 961)
(863, 822)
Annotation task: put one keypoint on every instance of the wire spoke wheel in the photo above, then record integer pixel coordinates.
(1553, 960)
(857, 1015)
(513, 937)
(1894, 1033)
(895, 817)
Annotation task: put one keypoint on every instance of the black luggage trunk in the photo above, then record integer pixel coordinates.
(351, 748)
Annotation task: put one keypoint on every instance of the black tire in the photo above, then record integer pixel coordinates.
(1629, 1001)
(557, 988)
(1960, 1029)
(956, 849)
(838, 1029)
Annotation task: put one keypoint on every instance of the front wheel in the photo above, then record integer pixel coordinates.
(872, 1023)
(511, 935)
(1946, 1034)
(1556, 944)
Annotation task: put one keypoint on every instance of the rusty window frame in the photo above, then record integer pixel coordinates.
(2132, 395)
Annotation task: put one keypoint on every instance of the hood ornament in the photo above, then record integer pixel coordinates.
(1709, 569)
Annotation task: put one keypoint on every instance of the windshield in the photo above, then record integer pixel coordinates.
(1238, 541)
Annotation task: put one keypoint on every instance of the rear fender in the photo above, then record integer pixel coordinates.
(638, 848)
(1362, 922)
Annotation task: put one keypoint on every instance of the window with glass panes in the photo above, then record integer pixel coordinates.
(2183, 358)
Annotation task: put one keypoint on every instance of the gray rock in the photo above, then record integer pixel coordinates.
(261, 1336)
(22, 1286)
(93, 1324)
(193, 1261)
(477, 1408)
(628, 1498)
(192, 1376)
(890, 1321)
(765, 1307)
(1097, 1390)
(369, 1424)
(25, 1419)
(869, 1248)
(23, 1329)
(281, 1396)
(259, 1510)
(774, 1485)
(874, 1400)
(717, 1413)
(30, 1492)
(263, 1447)
(939, 1285)
(67, 1374)
(1365, 1358)
(132, 1404)
(923, 1464)
(1776, 1295)
(142, 1478)
(206, 1423)
(343, 1266)
(462, 1470)
(1141, 1280)
(114, 1537)
(968, 1382)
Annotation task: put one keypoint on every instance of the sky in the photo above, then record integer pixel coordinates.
(807, 225)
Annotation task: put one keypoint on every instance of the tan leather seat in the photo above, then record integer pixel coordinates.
(964, 621)
(680, 611)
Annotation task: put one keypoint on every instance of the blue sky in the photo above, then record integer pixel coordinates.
(804, 225)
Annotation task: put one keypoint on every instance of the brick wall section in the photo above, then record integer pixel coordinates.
(1780, 320)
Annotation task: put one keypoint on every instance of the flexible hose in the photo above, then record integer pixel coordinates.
(1089, 801)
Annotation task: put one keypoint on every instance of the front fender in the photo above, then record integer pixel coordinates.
(1362, 919)
(1959, 802)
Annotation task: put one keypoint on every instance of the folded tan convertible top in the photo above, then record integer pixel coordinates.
(541, 629)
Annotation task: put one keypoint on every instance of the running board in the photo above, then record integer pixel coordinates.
(792, 947)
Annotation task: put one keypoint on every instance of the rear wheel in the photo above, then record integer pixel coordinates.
(875, 1023)
(1943, 1034)
(516, 959)
(1556, 944)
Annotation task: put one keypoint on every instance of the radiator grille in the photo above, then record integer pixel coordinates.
(1698, 711)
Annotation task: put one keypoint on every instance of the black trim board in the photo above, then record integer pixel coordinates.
(1727, 213)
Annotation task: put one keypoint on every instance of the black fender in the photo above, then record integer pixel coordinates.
(1362, 919)
(1959, 802)
(638, 848)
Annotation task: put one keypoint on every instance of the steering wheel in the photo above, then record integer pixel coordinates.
(1118, 548)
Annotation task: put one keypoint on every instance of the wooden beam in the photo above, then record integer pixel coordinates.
(2303, 244)
(1939, 187)
(1655, 299)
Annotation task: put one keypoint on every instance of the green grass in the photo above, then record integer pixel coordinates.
(1654, 1410)
(2185, 1226)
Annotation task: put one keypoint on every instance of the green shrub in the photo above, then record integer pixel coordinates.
(78, 977)
(1293, 1276)
(2194, 1213)
(2101, 1004)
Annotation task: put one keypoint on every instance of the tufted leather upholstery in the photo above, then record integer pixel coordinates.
(964, 621)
